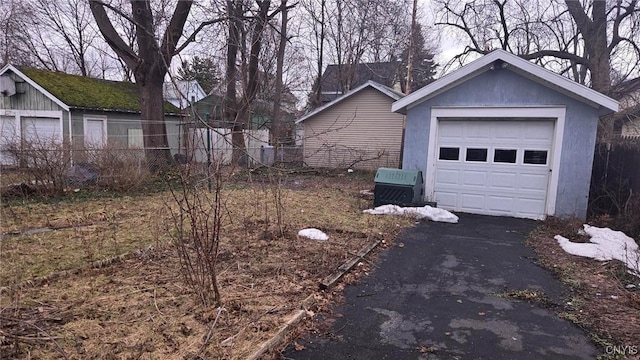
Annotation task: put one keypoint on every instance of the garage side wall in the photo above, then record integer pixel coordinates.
(360, 131)
(124, 132)
(504, 88)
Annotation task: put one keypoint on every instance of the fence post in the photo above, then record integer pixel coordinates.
(209, 158)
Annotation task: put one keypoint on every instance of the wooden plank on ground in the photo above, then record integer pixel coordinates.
(330, 280)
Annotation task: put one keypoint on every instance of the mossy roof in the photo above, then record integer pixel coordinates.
(90, 93)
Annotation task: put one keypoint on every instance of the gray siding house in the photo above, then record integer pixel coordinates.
(55, 109)
(356, 130)
(503, 136)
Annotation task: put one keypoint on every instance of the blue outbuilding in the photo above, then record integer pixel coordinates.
(503, 136)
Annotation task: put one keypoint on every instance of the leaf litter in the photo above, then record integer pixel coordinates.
(140, 306)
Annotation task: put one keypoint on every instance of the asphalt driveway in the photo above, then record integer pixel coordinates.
(439, 297)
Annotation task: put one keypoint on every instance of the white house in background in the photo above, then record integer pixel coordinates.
(182, 93)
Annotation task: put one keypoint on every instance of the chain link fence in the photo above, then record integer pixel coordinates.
(355, 158)
(53, 169)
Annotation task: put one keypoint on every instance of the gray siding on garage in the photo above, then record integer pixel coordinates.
(360, 127)
(27, 98)
(118, 124)
(506, 88)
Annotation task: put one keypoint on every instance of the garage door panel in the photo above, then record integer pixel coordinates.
(8, 138)
(536, 182)
(474, 178)
(448, 177)
(476, 130)
(503, 180)
(472, 201)
(41, 131)
(530, 206)
(499, 185)
(500, 203)
(538, 131)
(450, 132)
(508, 131)
(447, 199)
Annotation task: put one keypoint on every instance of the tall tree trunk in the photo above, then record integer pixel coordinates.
(277, 126)
(149, 65)
(230, 105)
(156, 146)
(412, 46)
(594, 32)
(323, 5)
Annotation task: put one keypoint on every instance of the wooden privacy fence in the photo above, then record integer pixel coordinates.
(615, 179)
(219, 145)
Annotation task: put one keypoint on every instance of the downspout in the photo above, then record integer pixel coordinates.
(70, 137)
(404, 126)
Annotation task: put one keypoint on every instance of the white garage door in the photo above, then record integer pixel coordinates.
(41, 132)
(8, 139)
(494, 167)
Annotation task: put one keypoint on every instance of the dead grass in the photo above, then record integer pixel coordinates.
(139, 307)
(600, 301)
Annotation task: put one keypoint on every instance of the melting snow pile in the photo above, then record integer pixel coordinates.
(313, 234)
(419, 213)
(606, 244)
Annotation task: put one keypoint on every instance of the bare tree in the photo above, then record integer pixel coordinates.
(14, 15)
(149, 62)
(276, 121)
(593, 42)
(412, 45)
(583, 40)
(68, 26)
(315, 11)
(246, 31)
(235, 12)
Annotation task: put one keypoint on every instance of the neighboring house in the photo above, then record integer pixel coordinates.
(338, 79)
(627, 120)
(52, 108)
(209, 110)
(503, 136)
(182, 93)
(357, 130)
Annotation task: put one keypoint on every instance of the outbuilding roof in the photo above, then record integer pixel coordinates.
(504, 59)
(394, 95)
(81, 92)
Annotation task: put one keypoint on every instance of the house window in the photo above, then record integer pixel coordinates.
(135, 139)
(536, 157)
(449, 153)
(476, 154)
(504, 156)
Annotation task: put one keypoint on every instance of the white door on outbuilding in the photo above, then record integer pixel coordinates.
(94, 133)
(494, 166)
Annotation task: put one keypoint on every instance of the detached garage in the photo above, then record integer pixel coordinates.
(502, 136)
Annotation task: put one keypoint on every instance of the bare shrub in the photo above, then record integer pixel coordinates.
(44, 162)
(197, 225)
(119, 169)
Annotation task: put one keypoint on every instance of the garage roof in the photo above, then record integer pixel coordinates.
(82, 92)
(605, 104)
(383, 89)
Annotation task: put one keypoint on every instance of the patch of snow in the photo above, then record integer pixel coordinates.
(418, 213)
(313, 234)
(605, 244)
